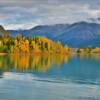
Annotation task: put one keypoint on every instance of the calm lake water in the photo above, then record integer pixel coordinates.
(50, 77)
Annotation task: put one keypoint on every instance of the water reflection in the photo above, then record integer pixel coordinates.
(29, 63)
(77, 67)
(95, 56)
(50, 77)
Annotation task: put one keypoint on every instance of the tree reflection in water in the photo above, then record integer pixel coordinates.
(29, 63)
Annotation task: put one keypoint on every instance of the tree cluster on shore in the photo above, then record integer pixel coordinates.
(21, 44)
(88, 50)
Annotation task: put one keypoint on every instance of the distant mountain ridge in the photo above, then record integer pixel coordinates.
(49, 31)
(80, 34)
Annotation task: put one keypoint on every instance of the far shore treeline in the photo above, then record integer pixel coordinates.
(37, 44)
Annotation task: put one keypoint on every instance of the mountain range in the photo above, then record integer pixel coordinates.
(80, 34)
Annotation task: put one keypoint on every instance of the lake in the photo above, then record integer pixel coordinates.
(50, 77)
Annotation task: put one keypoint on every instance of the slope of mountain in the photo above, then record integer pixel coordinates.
(81, 34)
(3, 32)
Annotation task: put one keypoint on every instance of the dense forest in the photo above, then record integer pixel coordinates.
(21, 44)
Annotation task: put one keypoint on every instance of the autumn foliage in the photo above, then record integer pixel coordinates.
(20, 44)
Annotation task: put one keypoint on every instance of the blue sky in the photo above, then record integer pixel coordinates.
(24, 14)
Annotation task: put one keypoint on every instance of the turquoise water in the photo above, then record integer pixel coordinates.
(50, 77)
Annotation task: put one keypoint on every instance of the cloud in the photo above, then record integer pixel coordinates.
(15, 14)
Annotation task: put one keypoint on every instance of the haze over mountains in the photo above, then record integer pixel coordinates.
(80, 34)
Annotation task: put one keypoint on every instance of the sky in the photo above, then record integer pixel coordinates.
(25, 14)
